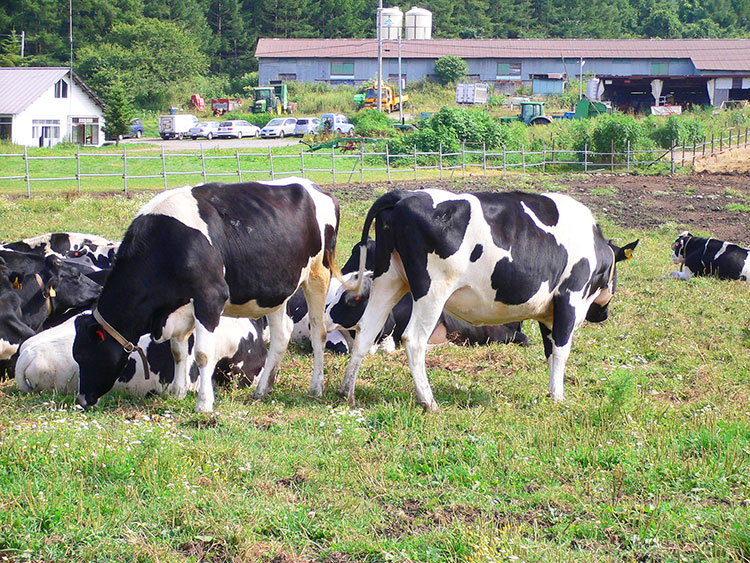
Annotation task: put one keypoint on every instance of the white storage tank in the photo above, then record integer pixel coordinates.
(391, 22)
(418, 24)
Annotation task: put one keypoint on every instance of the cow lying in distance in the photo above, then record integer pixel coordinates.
(194, 254)
(486, 258)
(45, 361)
(62, 244)
(698, 256)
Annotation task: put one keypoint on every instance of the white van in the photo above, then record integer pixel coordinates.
(176, 126)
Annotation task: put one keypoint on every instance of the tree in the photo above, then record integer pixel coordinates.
(10, 51)
(119, 112)
(451, 68)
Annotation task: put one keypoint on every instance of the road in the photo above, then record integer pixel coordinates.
(189, 144)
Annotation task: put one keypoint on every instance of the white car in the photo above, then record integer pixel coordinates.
(306, 126)
(237, 128)
(207, 129)
(279, 127)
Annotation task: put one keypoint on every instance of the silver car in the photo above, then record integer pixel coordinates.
(279, 127)
(207, 129)
(237, 128)
(306, 126)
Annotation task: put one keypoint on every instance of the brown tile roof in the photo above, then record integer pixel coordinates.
(706, 54)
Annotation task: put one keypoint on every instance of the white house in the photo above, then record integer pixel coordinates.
(42, 106)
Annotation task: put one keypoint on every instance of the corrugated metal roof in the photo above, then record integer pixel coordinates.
(21, 86)
(706, 54)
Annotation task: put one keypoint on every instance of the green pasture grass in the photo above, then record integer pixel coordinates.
(647, 459)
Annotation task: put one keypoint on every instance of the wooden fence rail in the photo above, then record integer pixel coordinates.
(159, 167)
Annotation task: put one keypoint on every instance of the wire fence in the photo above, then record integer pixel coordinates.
(144, 169)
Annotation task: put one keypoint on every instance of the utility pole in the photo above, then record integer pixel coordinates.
(380, 57)
(400, 82)
(23, 41)
(580, 77)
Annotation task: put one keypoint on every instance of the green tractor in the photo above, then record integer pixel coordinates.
(532, 113)
(271, 99)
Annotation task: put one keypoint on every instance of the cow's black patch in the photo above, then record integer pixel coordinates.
(579, 276)
(476, 254)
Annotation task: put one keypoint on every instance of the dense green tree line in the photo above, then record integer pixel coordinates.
(148, 45)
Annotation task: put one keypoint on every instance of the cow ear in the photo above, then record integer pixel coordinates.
(626, 252)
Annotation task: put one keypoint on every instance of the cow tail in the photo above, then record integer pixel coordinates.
(387, 201)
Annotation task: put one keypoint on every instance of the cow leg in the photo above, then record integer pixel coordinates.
(558, 342)
(204, 352)
(180, 354)
(316, 289)
(424, 317)
(388, 290)
(280, 326)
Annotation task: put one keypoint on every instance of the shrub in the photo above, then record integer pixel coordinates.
(451, 68)
(615, 130)
(372, 122)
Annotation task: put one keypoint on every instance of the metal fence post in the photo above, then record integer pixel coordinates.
(362, 163)
(611, 155)
(203, 164)
(463, 159)
(125, 167)
(712, 144)
(553, 151)
(523, 158)
(505, 164)
(441, 160)
(302, 161)
(627, 156)
(671, 158)
(28, 178)
(484, 158)
(270, 163)
(78, 167)
(388, 162)
(586, 157)
(415, 162)
(544, 157)
(683, 154)
(333, 164)
(164, 167)
(703, 153)
(239, 167)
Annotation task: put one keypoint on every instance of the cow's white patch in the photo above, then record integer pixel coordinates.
(722, 250)
(7, 349)
(180, 204)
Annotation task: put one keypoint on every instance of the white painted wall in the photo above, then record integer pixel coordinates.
(47, 107)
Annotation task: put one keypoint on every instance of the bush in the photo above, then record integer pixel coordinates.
(372, 122)
(615, 130)
(676, 129)
(451, 68)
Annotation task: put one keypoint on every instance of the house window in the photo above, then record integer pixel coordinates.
(6, 123)
(659, 68)
(288, 61)
(61, 89)
(289, 77)
(341, 69)
(508, 71)
(47, 131)
(85, 130)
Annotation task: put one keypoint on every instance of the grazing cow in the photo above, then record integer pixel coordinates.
(193, 254)
(485, 258)
(45, 361)
(709, 257)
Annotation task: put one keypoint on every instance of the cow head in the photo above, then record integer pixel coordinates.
(347, 306)
(68, 285)
(679, 247)
(599, 309)
(100, 360)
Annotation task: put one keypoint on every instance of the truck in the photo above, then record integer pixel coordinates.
(271, 99)
(176, 126)
(390, 99)
(472, 93)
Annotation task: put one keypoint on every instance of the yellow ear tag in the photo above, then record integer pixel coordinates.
(17, 283)
(52, 292)
(628, 253)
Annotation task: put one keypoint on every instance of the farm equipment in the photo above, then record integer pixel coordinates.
(222, 105)
(532, 113)
(390, 100)
(272, 99)
(346, 144)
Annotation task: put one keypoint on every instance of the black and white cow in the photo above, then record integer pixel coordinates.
(698, 256)
(13, 330)
(485, 258)
(91, 252)
(193, 254)
(45, 361)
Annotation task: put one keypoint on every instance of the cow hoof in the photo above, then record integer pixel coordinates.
(431, 407)
(204, 406)
(179, 394)
(556, 398)
(261, 395)
(315, 393)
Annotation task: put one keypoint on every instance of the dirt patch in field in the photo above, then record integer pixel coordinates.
(706, 203)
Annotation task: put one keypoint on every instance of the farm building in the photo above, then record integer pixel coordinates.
(42, 106)
(632, 72)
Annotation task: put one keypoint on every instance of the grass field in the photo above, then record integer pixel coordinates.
(647, 460)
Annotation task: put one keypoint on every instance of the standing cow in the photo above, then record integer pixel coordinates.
(486, 258)
(193, 254)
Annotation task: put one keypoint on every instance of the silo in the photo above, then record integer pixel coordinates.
(418, 24)
(391, 22)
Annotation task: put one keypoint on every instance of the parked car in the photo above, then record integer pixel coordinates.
(207, 129)
(336, 123)
(306, 126)
(237, 128)
(279, 127)
(136, 129)
(176, 126)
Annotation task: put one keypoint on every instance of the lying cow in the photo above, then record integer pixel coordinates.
(91, 252)
(13, 329)
(193, 254)
(45, 361)
(698, 256)
(486, 258)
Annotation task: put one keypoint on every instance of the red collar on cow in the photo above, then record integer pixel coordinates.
(128, 346)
